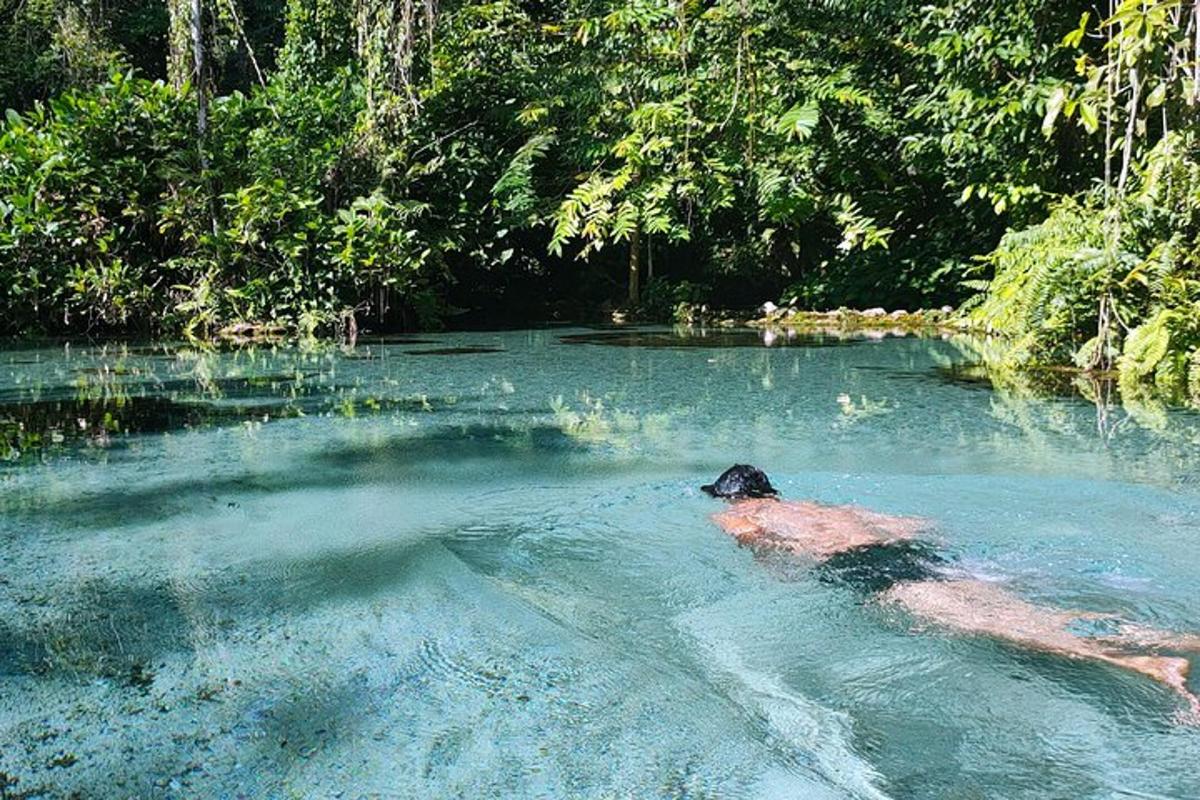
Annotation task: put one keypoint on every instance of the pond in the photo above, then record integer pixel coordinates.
(478, 565)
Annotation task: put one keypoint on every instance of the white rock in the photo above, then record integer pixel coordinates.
(874, 312)
(768, 308)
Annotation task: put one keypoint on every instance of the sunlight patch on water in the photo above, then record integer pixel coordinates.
(821, 735)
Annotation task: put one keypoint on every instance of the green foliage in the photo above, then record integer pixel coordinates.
(108, 222)
(515, 192)
(799, 121)
(82, 181)
(1045, 285)
(399, 162)
(1114, 279)
(667, 300)
(50, 45)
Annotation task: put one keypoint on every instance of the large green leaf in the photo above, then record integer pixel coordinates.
(799, 121)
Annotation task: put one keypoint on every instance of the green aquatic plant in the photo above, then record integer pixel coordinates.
(15, 439)
(864, 408)
(590, 425)
(594, 423)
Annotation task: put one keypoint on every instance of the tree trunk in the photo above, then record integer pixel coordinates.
(649, 258)
(635, 266)
(1135, 87)
(179, 47)
(197, 24)
(1195, 55)
(185, 54)
(200, 86)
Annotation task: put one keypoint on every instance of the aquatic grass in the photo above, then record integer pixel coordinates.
(92, 628)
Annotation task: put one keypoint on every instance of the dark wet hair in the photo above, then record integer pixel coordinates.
(741, 481)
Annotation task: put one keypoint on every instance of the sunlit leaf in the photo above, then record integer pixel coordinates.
(1089, 117)
(799, 121)
(1054, 105)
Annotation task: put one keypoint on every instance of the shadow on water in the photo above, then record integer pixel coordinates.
(1121, 694)
(121, 631)
(449, 443)
(1041, 383)
(52, 421)
(396, 460)
(99, 628)
(1044, 383)
(33, 425)
(307, 720)
(94, 629)
(105, 382)
(398, 339)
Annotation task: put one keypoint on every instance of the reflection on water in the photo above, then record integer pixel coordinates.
(708, 338)
(267, 572)
(453, 351)
(100, 405)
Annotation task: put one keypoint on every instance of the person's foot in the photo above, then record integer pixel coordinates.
(1170, 671)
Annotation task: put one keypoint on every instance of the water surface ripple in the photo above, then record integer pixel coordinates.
(487, 572)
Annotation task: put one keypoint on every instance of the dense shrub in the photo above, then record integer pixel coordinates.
(114, 218)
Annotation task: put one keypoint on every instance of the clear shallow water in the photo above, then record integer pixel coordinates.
(475, 574)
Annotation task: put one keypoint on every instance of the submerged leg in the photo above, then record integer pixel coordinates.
(1131, 635)
(977, 607)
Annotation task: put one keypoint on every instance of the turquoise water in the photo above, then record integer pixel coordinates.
(478, 566)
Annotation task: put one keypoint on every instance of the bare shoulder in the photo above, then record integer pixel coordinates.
(737, 522)
(758, 513)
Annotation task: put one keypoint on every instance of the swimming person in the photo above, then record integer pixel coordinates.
(881, 556)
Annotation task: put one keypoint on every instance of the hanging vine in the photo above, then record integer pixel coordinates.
(391, 37)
